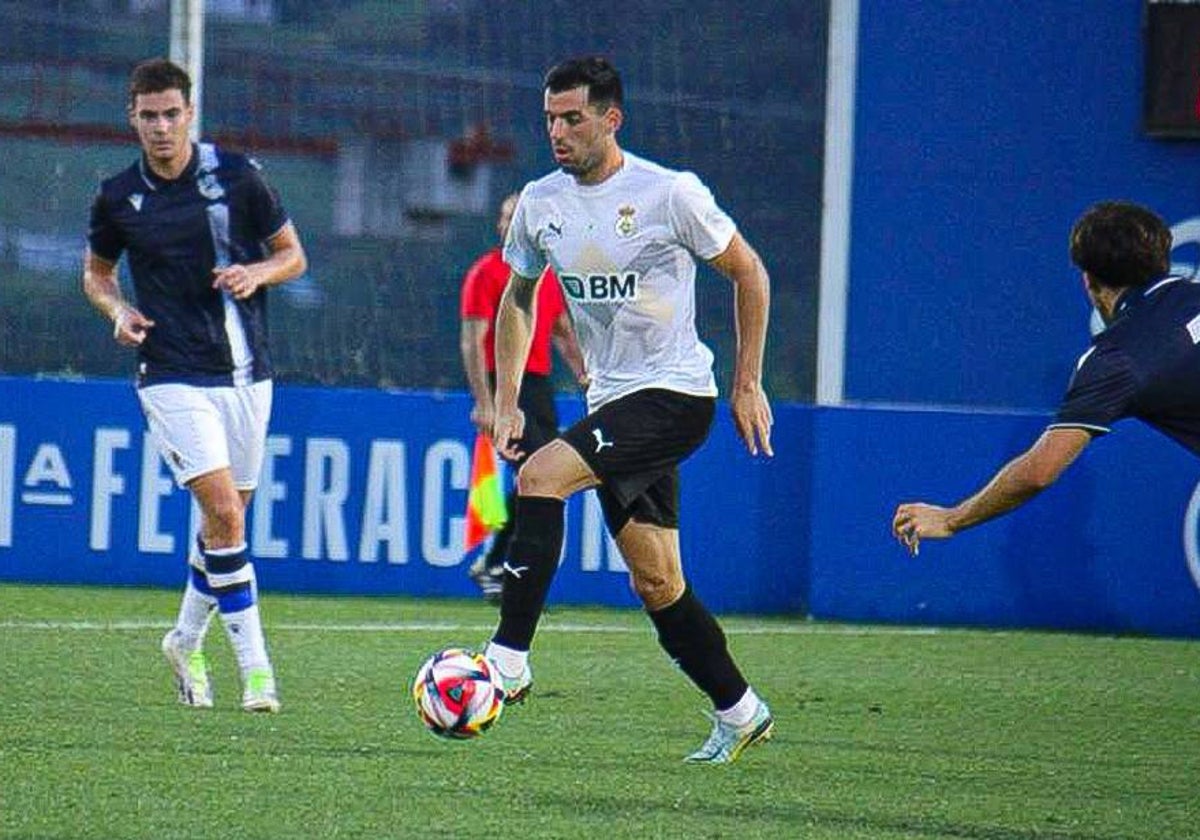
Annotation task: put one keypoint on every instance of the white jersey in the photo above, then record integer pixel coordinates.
(624, 251)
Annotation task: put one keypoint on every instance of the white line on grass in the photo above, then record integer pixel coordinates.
(424, 627)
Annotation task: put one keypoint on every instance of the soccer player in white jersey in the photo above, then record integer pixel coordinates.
(623, 235)
(204, 237)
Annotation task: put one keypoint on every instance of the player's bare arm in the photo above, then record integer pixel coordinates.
(514, 334)
(562, 334)
(286, 261)
(752, 304)
(1016, 483)
(472, 339)
(102, 289)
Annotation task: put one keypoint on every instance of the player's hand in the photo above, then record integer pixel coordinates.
(238, 280)
(130, 327)
(915, 521)
(483, 416)
(507, 432)
(752, 417)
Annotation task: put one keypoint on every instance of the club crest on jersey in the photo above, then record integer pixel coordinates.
(136, 201)
(626, 226)
(210, 187)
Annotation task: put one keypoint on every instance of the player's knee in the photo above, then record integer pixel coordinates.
(223, 521)
(554, 471)
(657, 590)
(536, 478)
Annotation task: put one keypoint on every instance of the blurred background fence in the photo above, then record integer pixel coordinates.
(392, 129)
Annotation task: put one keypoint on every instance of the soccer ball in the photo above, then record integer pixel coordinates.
(458, 693)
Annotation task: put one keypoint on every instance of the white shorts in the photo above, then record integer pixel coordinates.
(200, 430)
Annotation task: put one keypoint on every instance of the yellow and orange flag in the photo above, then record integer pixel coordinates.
(486, 511)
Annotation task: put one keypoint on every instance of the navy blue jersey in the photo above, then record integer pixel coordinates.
(218, 212)
(1145, 365)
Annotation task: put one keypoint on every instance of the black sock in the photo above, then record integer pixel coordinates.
(503, 538)
(532, 561)
(691, 636)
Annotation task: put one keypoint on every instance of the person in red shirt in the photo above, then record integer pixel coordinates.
(482, 287)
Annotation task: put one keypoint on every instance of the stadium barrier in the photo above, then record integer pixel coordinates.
(364, 492)
(1110, 547)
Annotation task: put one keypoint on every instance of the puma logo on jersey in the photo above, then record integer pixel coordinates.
(136, 201)
(600, 441)
(515, 571)
(553, 228)
(601, 288)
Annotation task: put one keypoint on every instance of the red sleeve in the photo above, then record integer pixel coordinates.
(479, 298)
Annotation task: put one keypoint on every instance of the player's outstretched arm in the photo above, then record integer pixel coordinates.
(1016, 483)
(752, 304)
(562, 336)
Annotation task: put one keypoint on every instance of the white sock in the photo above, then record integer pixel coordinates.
(512, 663)
(741, 712)
(244, 629)
(195, 611)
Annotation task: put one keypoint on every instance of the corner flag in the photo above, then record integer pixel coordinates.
(486, 511)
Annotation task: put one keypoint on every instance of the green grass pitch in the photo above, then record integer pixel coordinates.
(882, 732)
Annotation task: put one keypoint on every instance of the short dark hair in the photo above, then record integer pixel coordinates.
(1121, 244)
(594, 72)
(156, 75)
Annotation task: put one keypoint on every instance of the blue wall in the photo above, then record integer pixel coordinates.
(1102, 549)
(364, 492)
(982, 130)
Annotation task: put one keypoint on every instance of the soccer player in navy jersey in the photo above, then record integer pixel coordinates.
(1145, 364)
(204, 237)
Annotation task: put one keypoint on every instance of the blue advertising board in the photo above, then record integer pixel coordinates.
(364, 492)
(1110, 547)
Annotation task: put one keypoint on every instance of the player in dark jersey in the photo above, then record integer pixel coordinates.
(1145, 364)
(203, 236)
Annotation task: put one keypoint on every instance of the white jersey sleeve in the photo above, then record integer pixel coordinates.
(703, 227)
(522, 251)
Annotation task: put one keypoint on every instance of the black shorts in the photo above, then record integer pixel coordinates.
(536, 401)
(634, 445)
